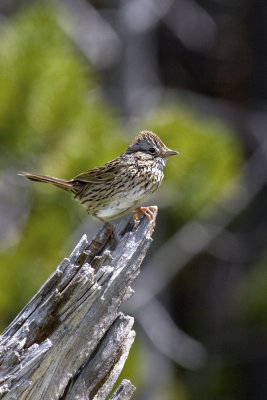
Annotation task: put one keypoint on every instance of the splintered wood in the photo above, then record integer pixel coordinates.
(71, 340)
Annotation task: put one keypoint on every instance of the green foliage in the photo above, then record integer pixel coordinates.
(209, 156)
(47, 91)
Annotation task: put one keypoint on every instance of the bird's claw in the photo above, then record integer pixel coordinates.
(147, 211)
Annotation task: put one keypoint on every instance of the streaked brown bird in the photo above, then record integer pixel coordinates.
(121, 185)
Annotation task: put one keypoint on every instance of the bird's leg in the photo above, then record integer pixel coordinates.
(147, 211)
(109, 231)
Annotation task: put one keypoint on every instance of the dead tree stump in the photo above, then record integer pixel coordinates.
(71, 341)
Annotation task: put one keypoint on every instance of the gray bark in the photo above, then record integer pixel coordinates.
(71, 340)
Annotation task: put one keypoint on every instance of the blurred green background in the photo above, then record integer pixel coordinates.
(60, 115)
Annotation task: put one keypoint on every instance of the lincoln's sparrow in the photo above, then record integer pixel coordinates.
(121, 185)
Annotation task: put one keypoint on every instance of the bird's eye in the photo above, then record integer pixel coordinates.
(152, 150)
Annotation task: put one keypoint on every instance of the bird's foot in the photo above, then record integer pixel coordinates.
(147, 211)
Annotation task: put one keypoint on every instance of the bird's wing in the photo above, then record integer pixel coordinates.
(105, 174)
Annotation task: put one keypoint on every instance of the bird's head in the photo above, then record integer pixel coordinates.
(148, 146)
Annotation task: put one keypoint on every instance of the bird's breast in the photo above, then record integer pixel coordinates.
(128, 191)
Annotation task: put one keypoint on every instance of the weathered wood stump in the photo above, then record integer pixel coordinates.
(71, 340)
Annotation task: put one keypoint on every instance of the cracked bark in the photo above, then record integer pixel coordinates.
(71, 341)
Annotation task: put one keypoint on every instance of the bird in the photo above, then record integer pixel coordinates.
(120, 186)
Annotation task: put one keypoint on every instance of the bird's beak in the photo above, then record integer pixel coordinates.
(169, 152)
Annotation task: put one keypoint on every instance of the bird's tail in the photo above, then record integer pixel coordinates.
(61, 183)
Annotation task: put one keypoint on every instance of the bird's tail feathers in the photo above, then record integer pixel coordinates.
(61, 183)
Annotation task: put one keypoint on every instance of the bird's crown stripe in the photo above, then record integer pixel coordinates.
(151, 137)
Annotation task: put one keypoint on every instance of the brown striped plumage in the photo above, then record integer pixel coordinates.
(121, 185)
